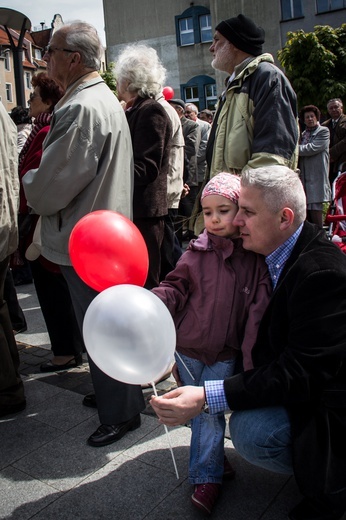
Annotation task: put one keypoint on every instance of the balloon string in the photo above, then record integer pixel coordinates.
(182, 361)
(168, 437)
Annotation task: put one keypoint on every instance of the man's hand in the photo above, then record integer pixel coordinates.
(180, 405)
(186, 190)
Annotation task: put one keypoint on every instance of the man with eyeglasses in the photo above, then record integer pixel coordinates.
(337, 146)
(87, 165)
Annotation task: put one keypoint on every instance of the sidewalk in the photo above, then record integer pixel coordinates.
(48, 472)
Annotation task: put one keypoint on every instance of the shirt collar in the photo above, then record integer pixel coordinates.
(277, 259)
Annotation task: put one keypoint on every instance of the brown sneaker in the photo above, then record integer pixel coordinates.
(205, 496)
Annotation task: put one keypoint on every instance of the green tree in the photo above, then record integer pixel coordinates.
(109, 78)
(315, 64)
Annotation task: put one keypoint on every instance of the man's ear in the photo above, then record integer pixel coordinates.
(287, 218)
(76, 57)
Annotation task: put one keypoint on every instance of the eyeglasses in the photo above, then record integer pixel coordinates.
(49, 50)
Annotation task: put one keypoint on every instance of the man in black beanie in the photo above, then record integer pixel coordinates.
(256, 118)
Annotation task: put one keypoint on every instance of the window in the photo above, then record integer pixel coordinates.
(205, 28)
(193, 26)
(291, 9)
(186, 31)
(201, 91)
(7, 61)
(27, 76)
(191, 95)
(9, 97)
(324, 6)
(210, 96)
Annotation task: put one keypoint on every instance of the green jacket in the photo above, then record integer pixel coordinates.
(257, 125)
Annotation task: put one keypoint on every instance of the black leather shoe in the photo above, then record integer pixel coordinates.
(51, 367)
(307, 510)
(90, 401)
(109, 433)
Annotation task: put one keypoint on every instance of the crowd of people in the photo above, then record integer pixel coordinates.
(258, 297)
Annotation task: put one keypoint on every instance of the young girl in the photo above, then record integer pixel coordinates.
(217, 295)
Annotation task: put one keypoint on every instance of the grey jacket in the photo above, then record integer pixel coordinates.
(314, 166)
(176, 156)
(87, 165)
(9, 185)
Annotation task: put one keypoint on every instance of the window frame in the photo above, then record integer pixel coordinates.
(194, 12)
(9, 92)
(187, 31)
(200, 83)
(7, 61)
(290, 5)
(330, 8)
(207, 28)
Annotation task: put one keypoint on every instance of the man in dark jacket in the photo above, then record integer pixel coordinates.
(337, 144)
(192, 139)
(289, 411)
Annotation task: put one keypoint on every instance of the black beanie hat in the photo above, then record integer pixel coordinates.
(243, 33)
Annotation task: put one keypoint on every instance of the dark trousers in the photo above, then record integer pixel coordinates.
(11, 385)
(170, 247)
(116, 402)
(152, 230)
(10, 295)
(58, 312)
(185, 210)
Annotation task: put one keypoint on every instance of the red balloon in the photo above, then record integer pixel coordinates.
(168, 93)
(107, 249)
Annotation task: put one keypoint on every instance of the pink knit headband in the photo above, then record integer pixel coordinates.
(224, 184)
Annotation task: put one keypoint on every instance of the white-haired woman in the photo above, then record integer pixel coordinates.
(140, 77)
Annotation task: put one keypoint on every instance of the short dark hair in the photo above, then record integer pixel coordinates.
(20, 115)
(49, 90)
(310, 108)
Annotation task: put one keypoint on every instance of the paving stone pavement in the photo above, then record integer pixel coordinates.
(48, 472)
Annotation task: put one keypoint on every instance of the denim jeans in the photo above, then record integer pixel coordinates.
(263, 438)
(207, 437)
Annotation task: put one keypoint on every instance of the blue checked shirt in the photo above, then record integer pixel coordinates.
(214, 390)
(277, 259)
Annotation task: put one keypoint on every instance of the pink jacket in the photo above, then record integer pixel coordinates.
(217, 295)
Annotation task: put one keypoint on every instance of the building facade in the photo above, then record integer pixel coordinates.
(181, 31)
(34, 44)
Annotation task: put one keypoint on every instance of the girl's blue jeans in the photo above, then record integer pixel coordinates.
(207, 437)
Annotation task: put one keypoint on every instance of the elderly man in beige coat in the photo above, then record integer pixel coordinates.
(12, 398)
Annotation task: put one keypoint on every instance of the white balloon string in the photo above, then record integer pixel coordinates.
(168, 437)
(181, 360)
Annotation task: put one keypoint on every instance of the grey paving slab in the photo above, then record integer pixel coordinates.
(22, 496)
(37, 392)
(63, 411)
(67, 460)
(125, 489)
(154, 450)
(21, 435)
(63, 463)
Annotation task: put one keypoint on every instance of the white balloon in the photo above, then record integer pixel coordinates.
(130, 334)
